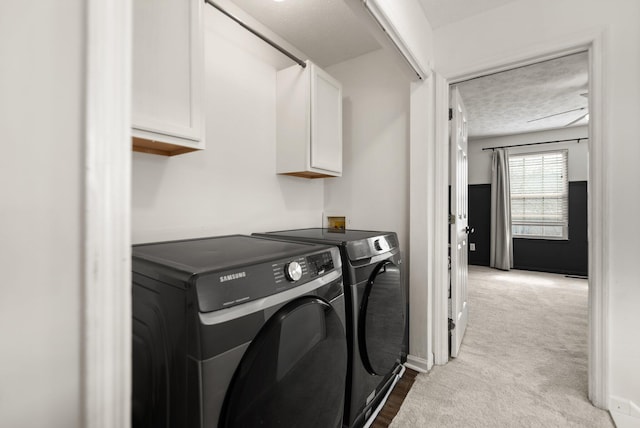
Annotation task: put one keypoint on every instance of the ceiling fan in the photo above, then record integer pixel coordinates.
(586, 114)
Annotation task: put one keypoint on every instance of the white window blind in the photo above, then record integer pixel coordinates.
(539, 194)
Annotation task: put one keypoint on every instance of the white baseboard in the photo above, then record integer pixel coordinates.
(418, 364)
(625, 421)
(625, 413)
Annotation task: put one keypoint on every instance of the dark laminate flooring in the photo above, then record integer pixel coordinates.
(392, 406)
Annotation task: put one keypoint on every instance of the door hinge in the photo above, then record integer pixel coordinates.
(452, 219)
(450, 113)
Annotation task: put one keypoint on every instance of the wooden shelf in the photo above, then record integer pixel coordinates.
(307, 174)
(159, 148)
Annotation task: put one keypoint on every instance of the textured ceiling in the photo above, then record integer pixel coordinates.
(443, 12)
(326, 30)
(519, 100)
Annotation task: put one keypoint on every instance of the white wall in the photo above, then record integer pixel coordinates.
(525, 25)
(42, 86)
(480, 161)
(231, 186)
(374, 188)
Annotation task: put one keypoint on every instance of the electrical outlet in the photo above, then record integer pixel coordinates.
(472, 246)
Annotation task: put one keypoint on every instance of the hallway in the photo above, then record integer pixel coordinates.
(523, 361)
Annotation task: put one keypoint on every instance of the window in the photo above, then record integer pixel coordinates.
(539, 195)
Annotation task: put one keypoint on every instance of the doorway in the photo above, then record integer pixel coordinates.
(597, 373)
(538, 115)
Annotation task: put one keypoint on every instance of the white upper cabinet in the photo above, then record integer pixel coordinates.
(309, 123)
(168, 68)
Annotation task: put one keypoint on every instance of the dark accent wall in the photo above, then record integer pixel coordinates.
(480, 220)
(566, 257)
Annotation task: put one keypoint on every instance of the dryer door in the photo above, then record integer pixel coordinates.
(382, 320)
(294, 371)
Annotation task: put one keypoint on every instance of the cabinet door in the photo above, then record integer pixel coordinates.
(326, 121)
(167, 70)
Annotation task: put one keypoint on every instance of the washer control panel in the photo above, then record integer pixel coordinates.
(320, 263)
(222, 289)
(288, 271)
(302, 268)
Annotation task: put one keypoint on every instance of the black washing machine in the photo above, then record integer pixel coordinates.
(238, 331)
(376, 312)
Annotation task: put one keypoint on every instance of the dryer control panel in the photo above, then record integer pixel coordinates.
(303, 268)
(290, 270)
(320, 263)
(228, 288)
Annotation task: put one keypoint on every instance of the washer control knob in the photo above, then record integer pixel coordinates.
(293, 271)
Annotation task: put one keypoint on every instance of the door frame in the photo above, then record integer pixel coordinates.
(597, 211)
(105, 328)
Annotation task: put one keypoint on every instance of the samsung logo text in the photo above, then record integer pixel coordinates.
(232, 276)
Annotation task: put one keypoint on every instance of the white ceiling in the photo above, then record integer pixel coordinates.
(443, 12)
(330, 33)
(326, 30)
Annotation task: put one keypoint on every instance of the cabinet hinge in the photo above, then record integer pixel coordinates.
(452, 219)
(450, 113)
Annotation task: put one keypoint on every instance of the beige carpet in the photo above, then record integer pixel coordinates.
(523, 360)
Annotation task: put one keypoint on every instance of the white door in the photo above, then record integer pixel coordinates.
(458, 219)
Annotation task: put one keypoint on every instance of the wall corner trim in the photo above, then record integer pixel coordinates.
(106, 288)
